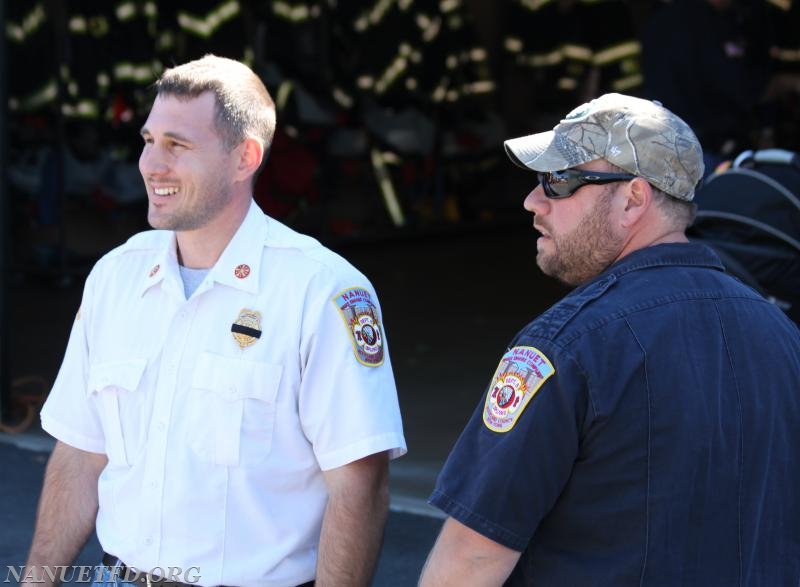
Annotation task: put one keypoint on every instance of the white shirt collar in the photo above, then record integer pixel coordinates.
(239, 265)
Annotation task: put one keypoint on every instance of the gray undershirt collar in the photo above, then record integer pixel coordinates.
(192, 278)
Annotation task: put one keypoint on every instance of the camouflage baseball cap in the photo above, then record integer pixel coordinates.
(639, 136)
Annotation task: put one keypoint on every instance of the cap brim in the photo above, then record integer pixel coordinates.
(547, 151)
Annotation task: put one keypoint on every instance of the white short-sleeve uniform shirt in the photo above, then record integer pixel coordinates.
(218, 413)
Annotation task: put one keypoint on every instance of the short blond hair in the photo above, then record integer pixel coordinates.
(243, 106)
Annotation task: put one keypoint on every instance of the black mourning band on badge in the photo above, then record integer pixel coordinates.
(239, 329)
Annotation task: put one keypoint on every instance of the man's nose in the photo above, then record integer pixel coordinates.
(536, 201)
(152, 161)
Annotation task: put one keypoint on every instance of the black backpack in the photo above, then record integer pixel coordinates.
(749, 214)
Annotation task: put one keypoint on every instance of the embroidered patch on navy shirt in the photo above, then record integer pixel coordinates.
(361, 318)
(520, 374)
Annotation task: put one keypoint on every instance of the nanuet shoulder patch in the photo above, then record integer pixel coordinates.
(520, 374)
(361, 317)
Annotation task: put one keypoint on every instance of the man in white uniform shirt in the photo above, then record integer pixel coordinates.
(226, 408)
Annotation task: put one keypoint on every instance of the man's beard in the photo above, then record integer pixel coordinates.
(586, 251)
(195, 213)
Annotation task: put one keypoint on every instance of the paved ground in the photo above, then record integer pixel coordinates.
(451, 304)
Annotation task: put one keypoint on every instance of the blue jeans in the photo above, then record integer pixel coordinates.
(105, 577)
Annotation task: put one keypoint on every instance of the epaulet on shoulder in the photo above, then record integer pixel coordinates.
(282, 236)
(285, 237)
(142, 241)
(556, 318)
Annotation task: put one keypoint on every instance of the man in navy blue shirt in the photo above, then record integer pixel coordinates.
(645, 429)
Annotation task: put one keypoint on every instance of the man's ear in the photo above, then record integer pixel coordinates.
(638, 199)
(252, 153)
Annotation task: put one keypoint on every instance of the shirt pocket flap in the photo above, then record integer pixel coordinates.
(237, 379)
(123, 374)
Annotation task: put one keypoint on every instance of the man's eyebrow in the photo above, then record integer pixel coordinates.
(169, 134)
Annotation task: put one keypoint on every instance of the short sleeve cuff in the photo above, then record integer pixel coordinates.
(393, 443)
(481, 525)
(69, 436)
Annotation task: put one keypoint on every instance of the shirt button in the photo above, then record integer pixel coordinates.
(148, 541)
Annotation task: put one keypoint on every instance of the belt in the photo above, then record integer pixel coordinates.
(132, 575)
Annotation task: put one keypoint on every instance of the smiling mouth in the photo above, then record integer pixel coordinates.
(165, 191)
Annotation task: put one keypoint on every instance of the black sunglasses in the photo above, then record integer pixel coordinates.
(562, 184)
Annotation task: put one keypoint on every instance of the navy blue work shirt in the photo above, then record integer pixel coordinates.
(645, 430)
